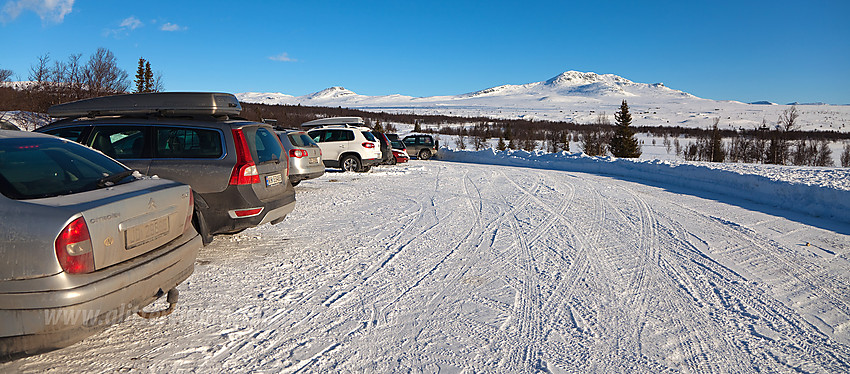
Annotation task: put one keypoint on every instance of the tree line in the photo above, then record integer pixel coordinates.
(52, 81)
(783, 144)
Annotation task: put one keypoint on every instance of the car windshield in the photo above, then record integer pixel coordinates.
(301, 140)
(33, 168)
(397, 144)
(369, 136)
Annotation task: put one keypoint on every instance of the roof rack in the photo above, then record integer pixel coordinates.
(344, 125)
(327, 122)
(161, 103)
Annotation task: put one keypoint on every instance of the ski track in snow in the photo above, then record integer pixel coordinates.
(448, 267)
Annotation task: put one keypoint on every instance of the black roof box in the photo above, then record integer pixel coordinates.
(162, 103)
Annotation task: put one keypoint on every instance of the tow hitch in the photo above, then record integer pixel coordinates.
(172, 301)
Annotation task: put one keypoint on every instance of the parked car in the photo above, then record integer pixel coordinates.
(236, 168)
(386, 148)
(399, 152)
(305, 156)
(347, 147)
(421, 146)
(86, 242)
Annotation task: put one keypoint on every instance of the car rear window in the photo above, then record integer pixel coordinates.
(398, 144)
(369, 136)
(186, 142)
(264, 144)
(301, 140)
(36, 168)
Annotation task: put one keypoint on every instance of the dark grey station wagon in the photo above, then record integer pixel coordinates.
(237, 168)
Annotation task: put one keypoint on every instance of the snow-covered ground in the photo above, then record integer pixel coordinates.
(444, 266)
(817, 191)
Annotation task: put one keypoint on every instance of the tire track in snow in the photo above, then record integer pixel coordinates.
(737, 300)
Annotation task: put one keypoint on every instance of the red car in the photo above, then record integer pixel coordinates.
(399, 152)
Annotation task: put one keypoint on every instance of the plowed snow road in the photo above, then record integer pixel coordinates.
(449, 267)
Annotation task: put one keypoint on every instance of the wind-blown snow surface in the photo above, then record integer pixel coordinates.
(440, 266)
(817, 191)
(578, 97)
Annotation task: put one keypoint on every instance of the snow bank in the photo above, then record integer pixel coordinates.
(819, 192)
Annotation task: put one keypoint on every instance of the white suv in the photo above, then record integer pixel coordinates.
(347, 147)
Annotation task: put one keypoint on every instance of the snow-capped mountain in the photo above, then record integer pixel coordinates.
(575, 83)
(332, 93)
(579, 97)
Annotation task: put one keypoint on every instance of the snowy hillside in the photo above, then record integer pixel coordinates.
(579, 97)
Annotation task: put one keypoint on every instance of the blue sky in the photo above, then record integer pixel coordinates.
(780, 51)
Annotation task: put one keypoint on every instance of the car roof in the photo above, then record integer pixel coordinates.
(17, 134)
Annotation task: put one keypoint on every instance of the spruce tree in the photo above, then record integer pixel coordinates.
(845, 156)
(623, 143)
(148, 77)
(565, 141)
(140, 76)
(501, 145)
(718, 152)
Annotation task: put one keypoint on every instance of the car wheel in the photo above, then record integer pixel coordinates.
(364, 169)
(424, 154)
(350, 163)
(392, 161)
(294, 183)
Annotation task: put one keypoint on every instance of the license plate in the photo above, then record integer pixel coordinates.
(273, 180)
(146, 232)
(314, 160)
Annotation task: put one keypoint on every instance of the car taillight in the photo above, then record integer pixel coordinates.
(245, 171)
(368, 145)
(297, 153)
(74, 249)
(191, 211)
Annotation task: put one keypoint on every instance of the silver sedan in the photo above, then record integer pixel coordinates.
(305, 156)
(86, 242)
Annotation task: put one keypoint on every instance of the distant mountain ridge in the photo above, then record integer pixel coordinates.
(573, 96)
